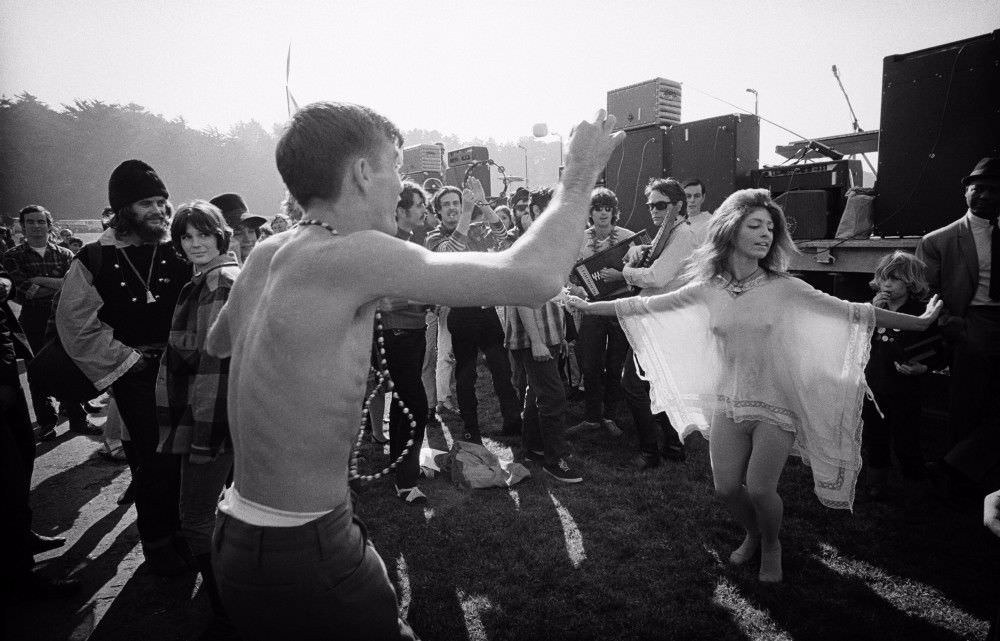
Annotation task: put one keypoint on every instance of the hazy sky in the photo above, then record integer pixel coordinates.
(474, 69)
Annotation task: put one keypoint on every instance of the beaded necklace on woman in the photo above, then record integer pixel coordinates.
(384, 382)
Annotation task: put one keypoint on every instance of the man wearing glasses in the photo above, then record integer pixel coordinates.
(667, 204)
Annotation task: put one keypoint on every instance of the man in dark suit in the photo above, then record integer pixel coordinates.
(963, 266)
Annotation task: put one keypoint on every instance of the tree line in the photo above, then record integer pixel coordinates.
(62, 158)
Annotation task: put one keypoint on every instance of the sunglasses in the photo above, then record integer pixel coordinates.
(660, 206)
(595, 209)
(520, 208)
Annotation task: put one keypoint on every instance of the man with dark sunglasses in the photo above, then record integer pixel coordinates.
(667, 205)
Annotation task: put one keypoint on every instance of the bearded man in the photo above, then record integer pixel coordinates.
(113, 318)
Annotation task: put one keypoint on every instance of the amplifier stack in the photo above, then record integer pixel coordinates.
(812, 195)
(459, 162)
(654, 102)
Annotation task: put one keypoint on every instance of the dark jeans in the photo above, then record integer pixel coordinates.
(475, 329)
(17, 459)
(975, 398)
(34, 320)
(647, 425)
(156, 476)
(544, 405)
(201, 484)
(602, 346)
(322, 580)
(898, 432)
(404, 351)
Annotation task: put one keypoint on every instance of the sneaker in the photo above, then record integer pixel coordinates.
(83, 426)
(561, 471)
(411, 495)
(612, 427)
(446, 409)
(583, 426)
(532, 456)
(47, 433)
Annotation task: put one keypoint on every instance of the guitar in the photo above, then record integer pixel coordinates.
(663, 235)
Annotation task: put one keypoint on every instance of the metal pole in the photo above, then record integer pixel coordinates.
(527, 185)
(755, 96)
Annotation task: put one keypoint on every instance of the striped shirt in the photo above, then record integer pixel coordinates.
(481, 237)
(549, 318)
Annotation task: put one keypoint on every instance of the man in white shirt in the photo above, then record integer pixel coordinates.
(694, 189)
(668, 207)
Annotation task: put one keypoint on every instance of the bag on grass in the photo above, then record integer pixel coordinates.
(473, 466)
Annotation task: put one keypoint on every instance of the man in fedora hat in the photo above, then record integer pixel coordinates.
(963, 266)
(246, 226)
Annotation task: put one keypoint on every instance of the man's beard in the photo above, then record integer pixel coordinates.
(149, 233)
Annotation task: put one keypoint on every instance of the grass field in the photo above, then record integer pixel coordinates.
(629, 555)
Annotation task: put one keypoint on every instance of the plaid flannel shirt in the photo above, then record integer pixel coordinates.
(23, 263)
(191, 386)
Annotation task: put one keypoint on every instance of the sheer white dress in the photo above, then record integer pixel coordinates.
(773, 349)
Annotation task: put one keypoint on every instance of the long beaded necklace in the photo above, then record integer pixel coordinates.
(384, 382)
(149, 276)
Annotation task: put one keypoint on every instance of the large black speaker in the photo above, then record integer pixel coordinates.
(807, 212)
(632, 164)
(719, 151)
(940, 115)
(830, 179)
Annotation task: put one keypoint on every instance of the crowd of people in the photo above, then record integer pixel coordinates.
(188, 318)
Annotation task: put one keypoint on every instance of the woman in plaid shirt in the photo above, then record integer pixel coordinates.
(191, 386)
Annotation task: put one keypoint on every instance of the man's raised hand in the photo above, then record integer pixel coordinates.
(476, 188)
(591, 143)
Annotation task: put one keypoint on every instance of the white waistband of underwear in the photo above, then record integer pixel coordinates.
(251, 513)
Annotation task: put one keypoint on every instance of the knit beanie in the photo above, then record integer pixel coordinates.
(131, 181)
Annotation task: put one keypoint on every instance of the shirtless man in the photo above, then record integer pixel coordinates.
(292, 560)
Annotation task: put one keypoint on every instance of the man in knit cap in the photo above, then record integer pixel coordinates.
(113, 318)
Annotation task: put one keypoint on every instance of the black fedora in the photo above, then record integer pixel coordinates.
(986, 169)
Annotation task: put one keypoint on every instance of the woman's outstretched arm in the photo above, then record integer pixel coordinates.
(906, 322)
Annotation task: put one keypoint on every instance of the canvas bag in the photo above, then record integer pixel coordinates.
(473, 466)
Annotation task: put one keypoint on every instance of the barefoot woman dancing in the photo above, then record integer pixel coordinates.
(762, 363)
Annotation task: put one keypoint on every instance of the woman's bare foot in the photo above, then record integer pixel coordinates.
(746, 550)
(770, 565)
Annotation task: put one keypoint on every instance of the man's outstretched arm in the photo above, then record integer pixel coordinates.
(529, 273)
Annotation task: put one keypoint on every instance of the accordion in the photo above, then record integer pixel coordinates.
(586, 273)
